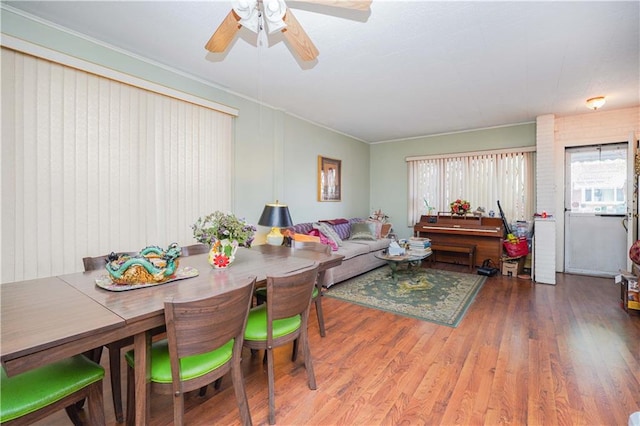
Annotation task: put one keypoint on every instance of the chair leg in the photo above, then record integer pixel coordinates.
(131, 397)
(318, 302)
(72, 413)
(96, 405)
(294, 351)
(116, 383)
(308, 363)
(241, 394)
(203, 390)
(272, 392)
(178, 409)
(217, 384)
(94, 355)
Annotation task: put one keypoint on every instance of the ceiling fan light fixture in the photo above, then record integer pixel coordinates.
(249, 14)
(274, 11)
(595, 103)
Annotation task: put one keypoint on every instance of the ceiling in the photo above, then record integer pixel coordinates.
(405, 69)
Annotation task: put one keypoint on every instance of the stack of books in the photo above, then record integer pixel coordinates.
(419, 245)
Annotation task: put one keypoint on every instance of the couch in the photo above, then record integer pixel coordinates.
(356, 239)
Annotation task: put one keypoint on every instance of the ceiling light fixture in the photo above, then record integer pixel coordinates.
(595, 103)
(251, 13)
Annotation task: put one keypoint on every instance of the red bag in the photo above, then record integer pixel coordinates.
(521, 248)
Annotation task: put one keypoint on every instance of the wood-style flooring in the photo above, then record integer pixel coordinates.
(524, 354)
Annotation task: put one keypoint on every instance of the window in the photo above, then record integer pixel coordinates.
(481, 178)
(92, 165)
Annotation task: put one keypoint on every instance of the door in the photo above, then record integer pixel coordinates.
(633, 182)
(596, 209)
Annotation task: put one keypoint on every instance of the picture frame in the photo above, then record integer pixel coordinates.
(329, 179)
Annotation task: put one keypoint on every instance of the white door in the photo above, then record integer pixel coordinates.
(596, 209)
(633, 182)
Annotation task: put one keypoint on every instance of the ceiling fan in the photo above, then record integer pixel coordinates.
(251, 14)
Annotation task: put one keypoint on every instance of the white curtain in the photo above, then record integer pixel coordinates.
(91, 165)
(482, 179)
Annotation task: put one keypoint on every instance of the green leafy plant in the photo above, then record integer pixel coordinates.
(219, 226)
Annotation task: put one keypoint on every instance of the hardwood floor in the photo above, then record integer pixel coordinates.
(524, 354)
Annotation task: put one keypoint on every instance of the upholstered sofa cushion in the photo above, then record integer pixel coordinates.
(359, 255)
(351, 249)
(372, 245)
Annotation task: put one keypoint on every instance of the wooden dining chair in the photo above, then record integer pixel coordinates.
(115, 348)
(204, 342)
(194, 249)
(283, 319)
(35, 394)
(317, 291)
(261, 293)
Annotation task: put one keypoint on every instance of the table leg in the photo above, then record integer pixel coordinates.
(394, 270)
(142, 348)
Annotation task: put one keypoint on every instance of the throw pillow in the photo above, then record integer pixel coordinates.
(305, 237)
(335, 221)
(328, 231)
(362, 231)
(324, 239)
(377, 226)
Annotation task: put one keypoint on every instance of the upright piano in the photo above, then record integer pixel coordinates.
(485, 232)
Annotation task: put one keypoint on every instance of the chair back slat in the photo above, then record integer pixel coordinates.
(99, 262)
(199, 326)
(290, 294)
(194, 249)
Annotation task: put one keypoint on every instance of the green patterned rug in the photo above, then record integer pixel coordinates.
(431, 295)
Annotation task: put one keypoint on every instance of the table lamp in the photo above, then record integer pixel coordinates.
(276, 216)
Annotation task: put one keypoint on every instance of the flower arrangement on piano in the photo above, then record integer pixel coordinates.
(460, 207)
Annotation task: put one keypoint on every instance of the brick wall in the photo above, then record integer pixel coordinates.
(553, 135)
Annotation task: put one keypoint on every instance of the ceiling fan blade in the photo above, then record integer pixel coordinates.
(221, 39)
(298, 38)
(346, 4)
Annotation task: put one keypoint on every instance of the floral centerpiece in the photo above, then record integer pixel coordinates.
(460, 207)
(223, 233)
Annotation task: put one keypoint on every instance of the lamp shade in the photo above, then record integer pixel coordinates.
(276, 215)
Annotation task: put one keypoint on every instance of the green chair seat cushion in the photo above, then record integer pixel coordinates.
(257, 324)
(190, 367)
(30, 391)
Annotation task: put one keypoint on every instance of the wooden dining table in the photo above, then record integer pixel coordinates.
(82, 315)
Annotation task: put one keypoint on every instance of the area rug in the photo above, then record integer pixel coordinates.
(434, 295)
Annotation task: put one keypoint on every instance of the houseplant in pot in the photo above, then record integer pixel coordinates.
(223, 233)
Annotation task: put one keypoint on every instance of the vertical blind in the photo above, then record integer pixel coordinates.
(482, 179)
(91, 165)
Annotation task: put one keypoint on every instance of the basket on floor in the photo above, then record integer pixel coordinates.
(517, 249)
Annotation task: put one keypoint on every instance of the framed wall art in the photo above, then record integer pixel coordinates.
(329, 179)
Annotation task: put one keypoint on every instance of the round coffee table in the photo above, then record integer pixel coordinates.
(410, 258)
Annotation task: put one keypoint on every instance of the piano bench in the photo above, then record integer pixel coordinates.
(469, 249)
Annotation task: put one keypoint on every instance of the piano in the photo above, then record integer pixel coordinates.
(486, 233)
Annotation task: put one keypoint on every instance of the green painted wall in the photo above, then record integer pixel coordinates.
(276, 154)
(389, 169)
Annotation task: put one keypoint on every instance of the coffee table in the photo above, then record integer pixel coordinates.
(410, 258)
